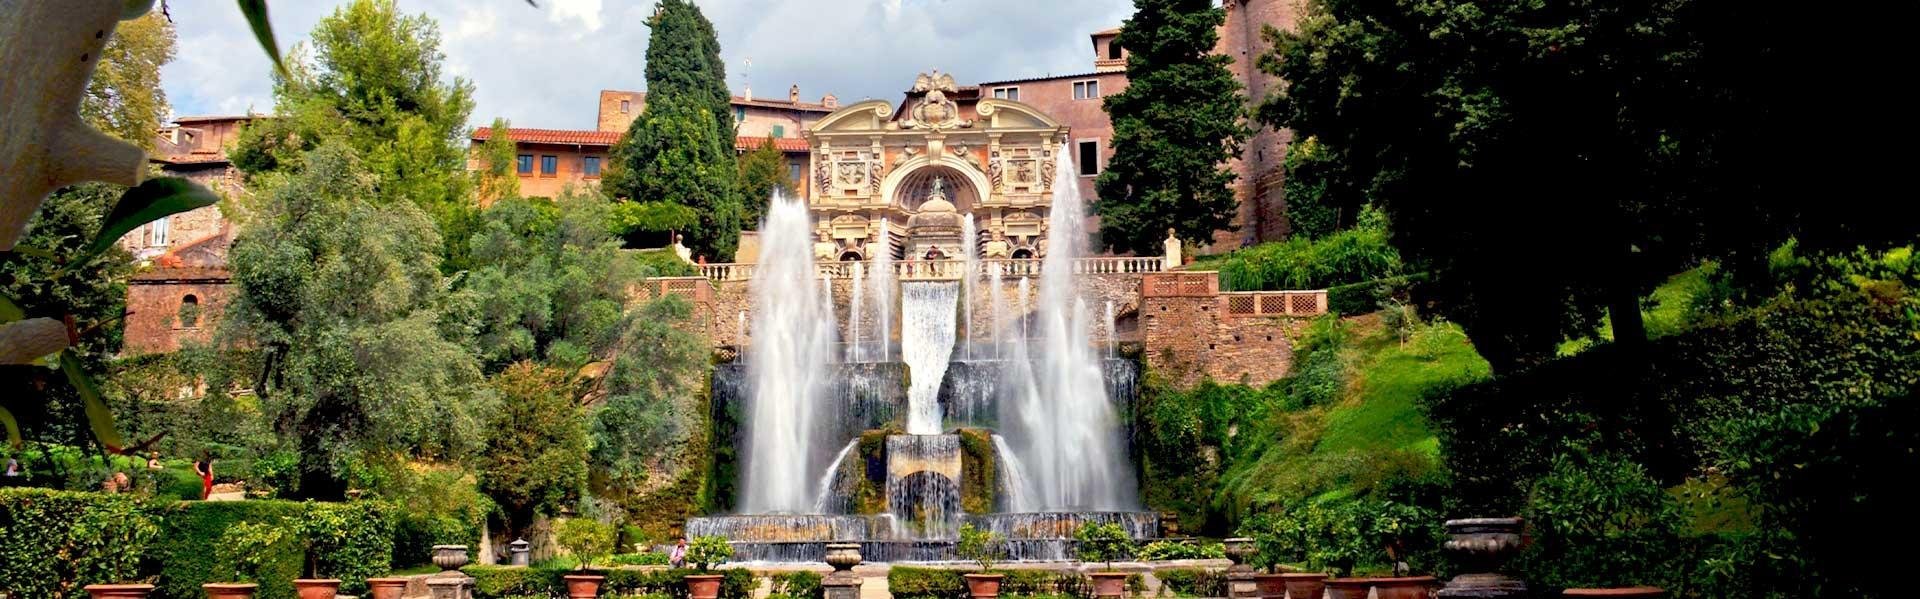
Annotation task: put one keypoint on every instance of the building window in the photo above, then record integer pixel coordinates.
(1007, 93)
(1086, 90)
(779, 131)
(591, 166)
(739, 115)
(1113, 49)
(795, 173)
(1088, 158)
(626, 106)
(549, 165)
(526, 164)
(189, 312)
(159, 231)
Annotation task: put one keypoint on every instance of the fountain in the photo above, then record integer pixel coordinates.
(896, 452)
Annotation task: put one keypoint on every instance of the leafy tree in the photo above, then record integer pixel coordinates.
(680, 150)
(1181, 118)
(342, 293)
(646, 422)
(499, 175)
(1549, 163)
(124, 98)
(763, 172)
(549, 282)
(375, 82)
(535, 461)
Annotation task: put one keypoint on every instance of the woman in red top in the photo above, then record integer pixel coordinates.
(204, 468)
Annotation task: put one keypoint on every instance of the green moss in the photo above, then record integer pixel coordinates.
(869, 495)
(979, 471)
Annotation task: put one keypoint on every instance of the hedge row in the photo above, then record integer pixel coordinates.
(507, 582)
(905, 582)
(53, 543)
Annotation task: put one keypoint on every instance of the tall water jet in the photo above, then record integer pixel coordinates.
(1023, 312)
(1014, 484)
(882, 281)
(859, 310)
(926, 343)
(1067, 432)
(1113, 334)
(826, 495)
(999, 306)
(970, 246)
(787, 362)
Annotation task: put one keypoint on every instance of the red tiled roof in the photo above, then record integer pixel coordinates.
(742, 101)
(216, 117)
(1113, 31)
(182, 273)
(586, 137)
(785, 144)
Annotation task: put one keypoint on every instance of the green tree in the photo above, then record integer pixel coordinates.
(549, 282)
(375, 82)
(498, 177)
(1181, 118)
(535, 461)
(124, 98)
(763, 172)
(1549, 163)
(343, 294)
(680, 150)
(647, 422)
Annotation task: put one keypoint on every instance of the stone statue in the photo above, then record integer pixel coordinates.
(939, 189)
(1170, 254)
(936, 110)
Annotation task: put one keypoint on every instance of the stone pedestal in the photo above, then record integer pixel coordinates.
(456, 586)
(1482, 547)
(842, 583)
(1242, 581)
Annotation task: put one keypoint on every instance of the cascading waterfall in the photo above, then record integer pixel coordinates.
(791, 337)
(826, 495)
(970, 248)
(1067, 432)
(882, 281)
(924, 500)
(859, 310)
(999, 307)
(1113, 338)
(1013, 478)
(926, 343)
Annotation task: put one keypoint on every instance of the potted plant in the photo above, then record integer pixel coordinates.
(388, 587)
(243, 550)
(704, 553)
(118, 591)
(588, 539)
(1104, 542)
(983, 547)
(320, 528)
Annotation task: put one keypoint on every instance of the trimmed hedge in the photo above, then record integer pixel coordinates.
(508, 582)
(52, 543)
(1192, 582)
(906, 582)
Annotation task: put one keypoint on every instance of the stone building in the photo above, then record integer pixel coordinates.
(194, 148)
(182, 285)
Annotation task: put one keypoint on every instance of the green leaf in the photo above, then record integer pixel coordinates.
(256, 12)
(12, 426)
(10, 311)
(150, 201)
(98, 416)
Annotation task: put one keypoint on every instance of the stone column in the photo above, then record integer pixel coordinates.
(1240, 576)
(842, 583)
(1482, 547)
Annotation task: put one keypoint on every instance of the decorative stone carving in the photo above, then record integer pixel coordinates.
(823, 171)
(842, 583)
(1482, 547)
(993, 171)
(873, 175)
(936, 111)
(1046, 169)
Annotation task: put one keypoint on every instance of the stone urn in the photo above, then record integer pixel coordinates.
(1348, 588)
(1239, 549)
(317, 588)
(1625, 593)
(1271, 585)
(230, 590)
(450, 557)
(1109, 584)
(583, 586)
(843, 556)
(119, 591)
(1482, 547)
(391, 587)
(985, 586)
(1303, 585)
(703, 586)
(842, 583)
(1405, 587)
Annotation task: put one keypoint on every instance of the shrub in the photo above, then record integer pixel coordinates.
(504, 582)
(980, 546)
(1102, 542)
(1356, 255)
(52, 543)
(349, 541)
(1599, 521)
(1171, 549)
(586, 538)
(651, 558)
(906, 582)
(189, 555)
(1192, 582)
(706, 552)
(501, 582)
(1338, 536)
(802, 584)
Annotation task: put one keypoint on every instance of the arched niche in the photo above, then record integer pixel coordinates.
(917, 186)
(957, 171)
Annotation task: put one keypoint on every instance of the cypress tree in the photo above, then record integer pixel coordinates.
(1181, 118)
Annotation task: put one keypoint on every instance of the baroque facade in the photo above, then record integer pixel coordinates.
(900, 181)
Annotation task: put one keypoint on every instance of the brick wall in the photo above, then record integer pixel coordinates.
(154, 301)
(1186, 337)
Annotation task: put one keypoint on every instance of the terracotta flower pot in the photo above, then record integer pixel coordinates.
(587, 586)
(1109, 584)
(119, 591)
(230, 590)
(386, 588)
(1302, 585)
(317, 588)
(1271, 585)
(1407, 587)
(1348, 588)
(703, 586)
(1628, 592)
(983, 586)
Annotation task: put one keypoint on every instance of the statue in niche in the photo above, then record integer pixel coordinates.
(939, 189)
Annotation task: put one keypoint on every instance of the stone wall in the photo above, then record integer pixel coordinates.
(154, 321)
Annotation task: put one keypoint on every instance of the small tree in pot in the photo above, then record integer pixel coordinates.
(704, 553)
(589, 540)
(983, 547)
(243, 551)
(1107, 543)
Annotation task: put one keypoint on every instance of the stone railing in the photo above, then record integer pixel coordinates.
(693, 289)
(1200, 283)
(1273, 303)
(952, 269)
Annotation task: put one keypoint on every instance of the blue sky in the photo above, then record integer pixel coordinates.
(544, 67)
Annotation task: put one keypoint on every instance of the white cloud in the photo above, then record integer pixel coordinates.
(587, 11)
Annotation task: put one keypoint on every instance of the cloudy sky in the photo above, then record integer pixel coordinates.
(543, 67)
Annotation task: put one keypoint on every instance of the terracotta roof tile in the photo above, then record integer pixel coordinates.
(785, 144)
(553, 136)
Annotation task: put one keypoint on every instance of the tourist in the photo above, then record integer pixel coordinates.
(934, 253)
(153, 460)
(678, 558)
(204, 468)
(13, 468)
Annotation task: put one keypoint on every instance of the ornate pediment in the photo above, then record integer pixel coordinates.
(935, 110)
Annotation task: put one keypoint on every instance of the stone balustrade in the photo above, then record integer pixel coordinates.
(953, 268)
(1242, 304)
